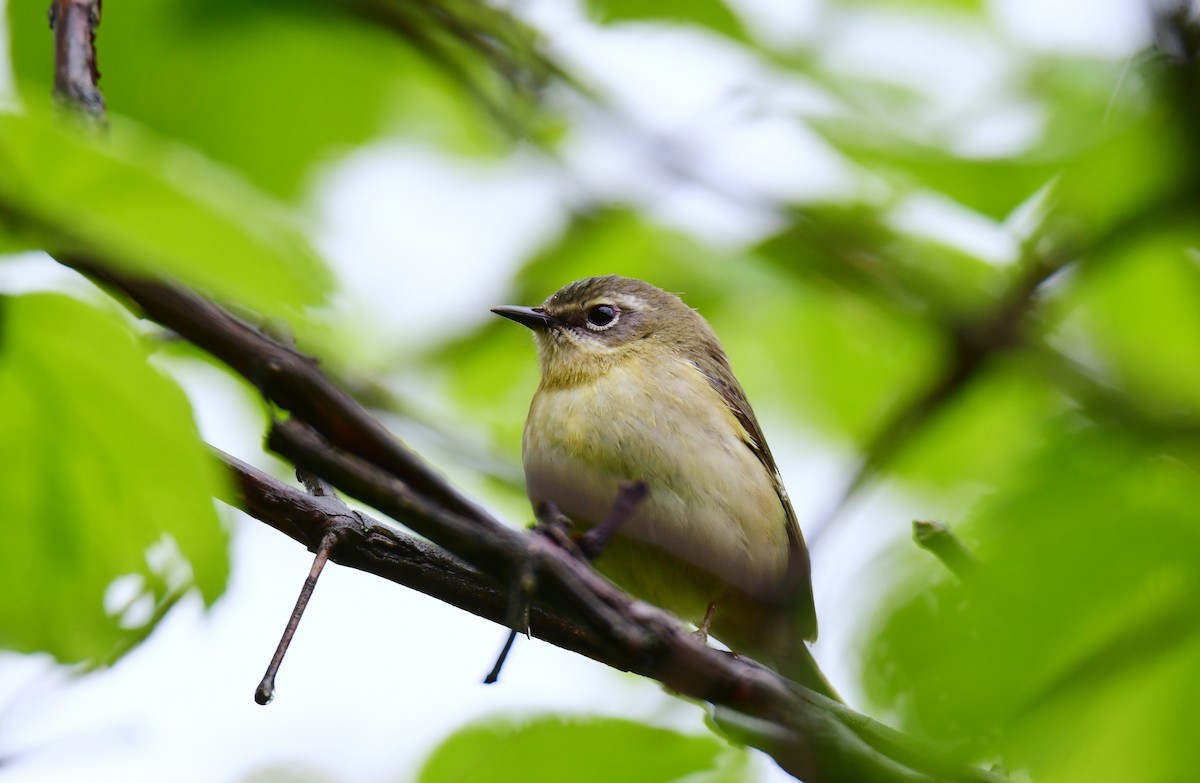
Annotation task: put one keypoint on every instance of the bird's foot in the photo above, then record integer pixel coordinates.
(701, 633)
(553, 524)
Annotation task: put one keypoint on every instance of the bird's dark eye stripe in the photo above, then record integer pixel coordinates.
(601, 315)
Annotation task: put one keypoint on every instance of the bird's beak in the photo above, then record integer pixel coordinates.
(533, 317)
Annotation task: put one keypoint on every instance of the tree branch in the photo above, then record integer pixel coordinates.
(371, 546)
(75, 70)
(816, 739)
(284, 376)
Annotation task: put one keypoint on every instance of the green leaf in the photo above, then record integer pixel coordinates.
(852, 248)
(712, 14)
(15, 238)
(130, 200)
(1111, 141)
(582, 750)
(991, 186)
(1140, 302)
(1127, 176)
(1073, 650)
(105, 477)
(270, 88)
(986, 433)
(855, 339)
(849, 364)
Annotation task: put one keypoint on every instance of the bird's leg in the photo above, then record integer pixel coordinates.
(702, 631)
(630, 495)
(553, 524)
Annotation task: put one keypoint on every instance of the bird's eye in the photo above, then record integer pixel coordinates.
(601, 316)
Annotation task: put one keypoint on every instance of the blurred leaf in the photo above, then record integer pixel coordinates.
(859, 337)
(1140, 302)
(1105, 142)
(989, 430)
(583, 750)
(712, 14)
(954, 5)
(130, 200)
(991, 186)
(852, 248)
(848, 364)
(1127, 176)
(105, 478)
(623, 242)
(1085, 610)
(271, 88)
(15, 238)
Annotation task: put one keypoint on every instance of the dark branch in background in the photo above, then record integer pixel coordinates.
(973, 345)
(977, 343)
(459, 38)
(814, 738)
(76, 73)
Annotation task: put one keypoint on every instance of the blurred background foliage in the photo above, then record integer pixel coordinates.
(999, 300)
(547, 748)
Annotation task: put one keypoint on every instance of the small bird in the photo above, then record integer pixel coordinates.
(636, 386)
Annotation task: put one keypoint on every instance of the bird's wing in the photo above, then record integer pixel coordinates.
(713, 363)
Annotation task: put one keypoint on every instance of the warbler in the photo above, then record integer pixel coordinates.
(636, 386)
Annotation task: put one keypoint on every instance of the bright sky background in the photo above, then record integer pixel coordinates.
(363, 700)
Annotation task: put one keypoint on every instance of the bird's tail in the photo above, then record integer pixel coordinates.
(799, 666)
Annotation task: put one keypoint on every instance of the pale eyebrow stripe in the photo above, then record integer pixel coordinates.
(623, 301)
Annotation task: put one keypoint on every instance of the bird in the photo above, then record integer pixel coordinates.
(636, 387)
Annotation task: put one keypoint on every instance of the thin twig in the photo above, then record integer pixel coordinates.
(935, 538)
(517, 619)
(266, 689)
(373, 547)
(494, 675)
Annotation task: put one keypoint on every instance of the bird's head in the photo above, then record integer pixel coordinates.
(590, 325)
